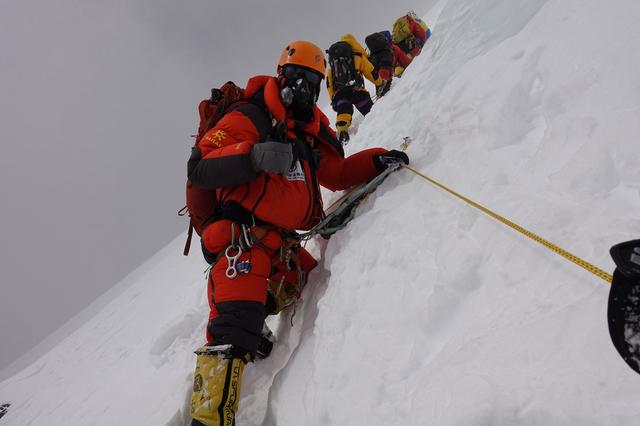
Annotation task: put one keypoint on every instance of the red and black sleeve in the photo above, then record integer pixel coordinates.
(337, 172)
(222, 158)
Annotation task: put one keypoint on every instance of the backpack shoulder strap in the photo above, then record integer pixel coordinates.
(256, 110)
(304, 151)
(325, 135)
(267, 123)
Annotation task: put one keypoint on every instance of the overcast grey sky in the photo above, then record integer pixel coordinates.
(97, 102)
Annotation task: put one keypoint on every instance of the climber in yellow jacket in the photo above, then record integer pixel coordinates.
(348, 64)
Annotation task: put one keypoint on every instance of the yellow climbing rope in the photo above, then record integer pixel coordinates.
(567, 255)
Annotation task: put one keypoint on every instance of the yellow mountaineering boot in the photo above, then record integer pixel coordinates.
(343, 122)
(216, 385)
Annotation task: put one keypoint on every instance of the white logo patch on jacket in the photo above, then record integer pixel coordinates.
(296, 172)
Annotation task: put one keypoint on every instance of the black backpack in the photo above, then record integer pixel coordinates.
(343, 68)
(377, 42)
(380, 54)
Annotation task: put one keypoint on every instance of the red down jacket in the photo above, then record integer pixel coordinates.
(222, 161)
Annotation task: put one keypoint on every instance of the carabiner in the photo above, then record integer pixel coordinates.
(246, 238)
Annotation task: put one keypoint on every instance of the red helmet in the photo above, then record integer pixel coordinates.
(303, 53)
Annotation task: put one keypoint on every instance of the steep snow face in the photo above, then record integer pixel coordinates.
(437, 314)
(423, 310)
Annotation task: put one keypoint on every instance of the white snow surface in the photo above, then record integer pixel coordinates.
(423, 310)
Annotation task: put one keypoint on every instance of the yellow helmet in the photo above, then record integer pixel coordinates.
(303, 53)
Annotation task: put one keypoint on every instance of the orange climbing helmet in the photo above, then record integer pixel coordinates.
(303, 53)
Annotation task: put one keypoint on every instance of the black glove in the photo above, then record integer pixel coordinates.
(394, 156)
(271, 156)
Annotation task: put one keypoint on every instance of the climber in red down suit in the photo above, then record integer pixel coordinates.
(265, 159)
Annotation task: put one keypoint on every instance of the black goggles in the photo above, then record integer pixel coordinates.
(293, 72)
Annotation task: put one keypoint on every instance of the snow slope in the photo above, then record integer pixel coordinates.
(423, 310)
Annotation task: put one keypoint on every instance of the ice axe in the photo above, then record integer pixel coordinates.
(623, 311)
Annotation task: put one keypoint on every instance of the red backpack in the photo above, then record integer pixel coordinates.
(201, 202)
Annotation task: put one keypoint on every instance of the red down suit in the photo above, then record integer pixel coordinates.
(269, 203)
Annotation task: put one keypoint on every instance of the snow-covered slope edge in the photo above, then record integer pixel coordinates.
(86, 314)
(131, 362)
